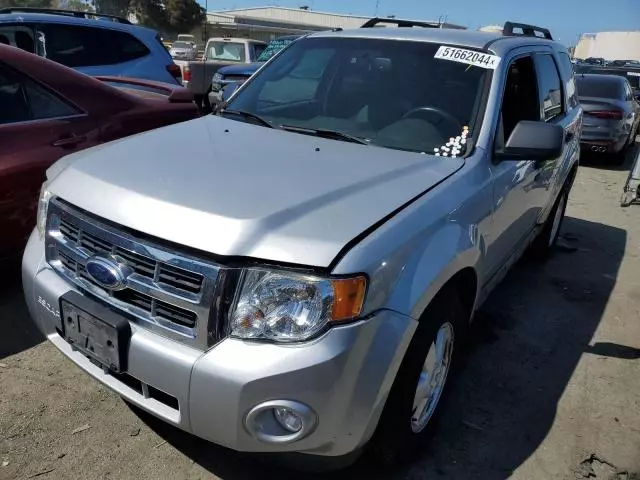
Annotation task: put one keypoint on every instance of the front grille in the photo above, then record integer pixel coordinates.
(167, 274)
(168, 292)
(157, 308)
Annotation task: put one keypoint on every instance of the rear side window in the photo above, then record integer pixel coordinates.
(77, 46)
(566, 70)
(23, 100)
(127, 46)
(549, 87)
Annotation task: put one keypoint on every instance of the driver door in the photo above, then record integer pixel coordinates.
(520, 188)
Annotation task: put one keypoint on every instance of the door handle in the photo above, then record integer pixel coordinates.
(569, 136)
(71, 141)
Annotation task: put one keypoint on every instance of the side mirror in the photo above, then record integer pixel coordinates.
(533, 141)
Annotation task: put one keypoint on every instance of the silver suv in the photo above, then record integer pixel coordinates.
(302, 276)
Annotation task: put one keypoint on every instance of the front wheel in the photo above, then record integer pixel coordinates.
(420, 385)
(543, 245)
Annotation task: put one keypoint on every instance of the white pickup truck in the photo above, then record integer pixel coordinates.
(218, 52)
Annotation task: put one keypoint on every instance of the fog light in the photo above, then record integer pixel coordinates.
(281, 421)
(288, 419)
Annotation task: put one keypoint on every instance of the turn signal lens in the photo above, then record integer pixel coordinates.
(43, 204)
(348, 298)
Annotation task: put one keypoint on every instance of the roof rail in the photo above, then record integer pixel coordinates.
(374, 22)
(527, 30)
(68, 13)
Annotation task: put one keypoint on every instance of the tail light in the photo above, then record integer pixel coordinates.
(606, 114)
(174, 70)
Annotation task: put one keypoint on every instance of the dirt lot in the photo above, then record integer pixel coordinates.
(551, 388)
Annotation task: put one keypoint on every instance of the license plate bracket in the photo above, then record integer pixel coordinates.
(96, 331)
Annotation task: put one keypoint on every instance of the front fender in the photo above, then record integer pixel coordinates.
(449, 251)
(413, 255)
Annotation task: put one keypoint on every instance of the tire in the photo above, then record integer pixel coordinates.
(400, 433)
(542, 247)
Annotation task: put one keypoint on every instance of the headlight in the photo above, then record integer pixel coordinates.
(289, 307)
(43, 203)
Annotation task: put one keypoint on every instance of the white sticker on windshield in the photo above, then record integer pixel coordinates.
(470, 57)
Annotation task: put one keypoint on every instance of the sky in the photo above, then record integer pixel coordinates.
(566, 19)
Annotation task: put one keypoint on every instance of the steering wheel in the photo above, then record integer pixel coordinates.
(444, 116)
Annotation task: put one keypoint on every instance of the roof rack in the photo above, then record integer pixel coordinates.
(527, 30)
(68, 13)
(374, 22)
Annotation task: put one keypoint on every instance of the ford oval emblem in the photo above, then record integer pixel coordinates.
(106, 271)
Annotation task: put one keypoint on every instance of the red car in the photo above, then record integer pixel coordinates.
(48, 111)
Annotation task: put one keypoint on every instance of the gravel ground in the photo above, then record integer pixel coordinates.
(550, 389)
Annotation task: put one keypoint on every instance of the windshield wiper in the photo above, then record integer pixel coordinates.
(250, 115)
(324, 133)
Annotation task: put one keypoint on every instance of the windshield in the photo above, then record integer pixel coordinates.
(182, 45)
(274, 47)
(389, 93)
(229, 51)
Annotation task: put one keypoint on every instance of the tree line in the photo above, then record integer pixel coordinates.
(170, 16)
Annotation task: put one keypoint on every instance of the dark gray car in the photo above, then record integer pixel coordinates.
(611, 114)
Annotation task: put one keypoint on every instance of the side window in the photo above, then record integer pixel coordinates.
(256, 50)
(20, 36)
(13, 99)
(549, 86)
(127, 46)
(567, 72)
(23, 100)
(76, 46)
(520, 98)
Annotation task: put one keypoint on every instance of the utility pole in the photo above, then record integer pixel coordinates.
(377, 7)
(206, 21)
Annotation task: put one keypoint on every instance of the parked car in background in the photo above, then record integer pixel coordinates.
(630, 72)
(183, 50)
(98, 45)
(611, 114)
(48, 111)
(595, 61)
(185, 37)
(239, 74)
(301, 276)
(218, 52)
(624, 63)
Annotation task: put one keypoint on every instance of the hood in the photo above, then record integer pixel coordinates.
(244, 69)
(233, 188)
